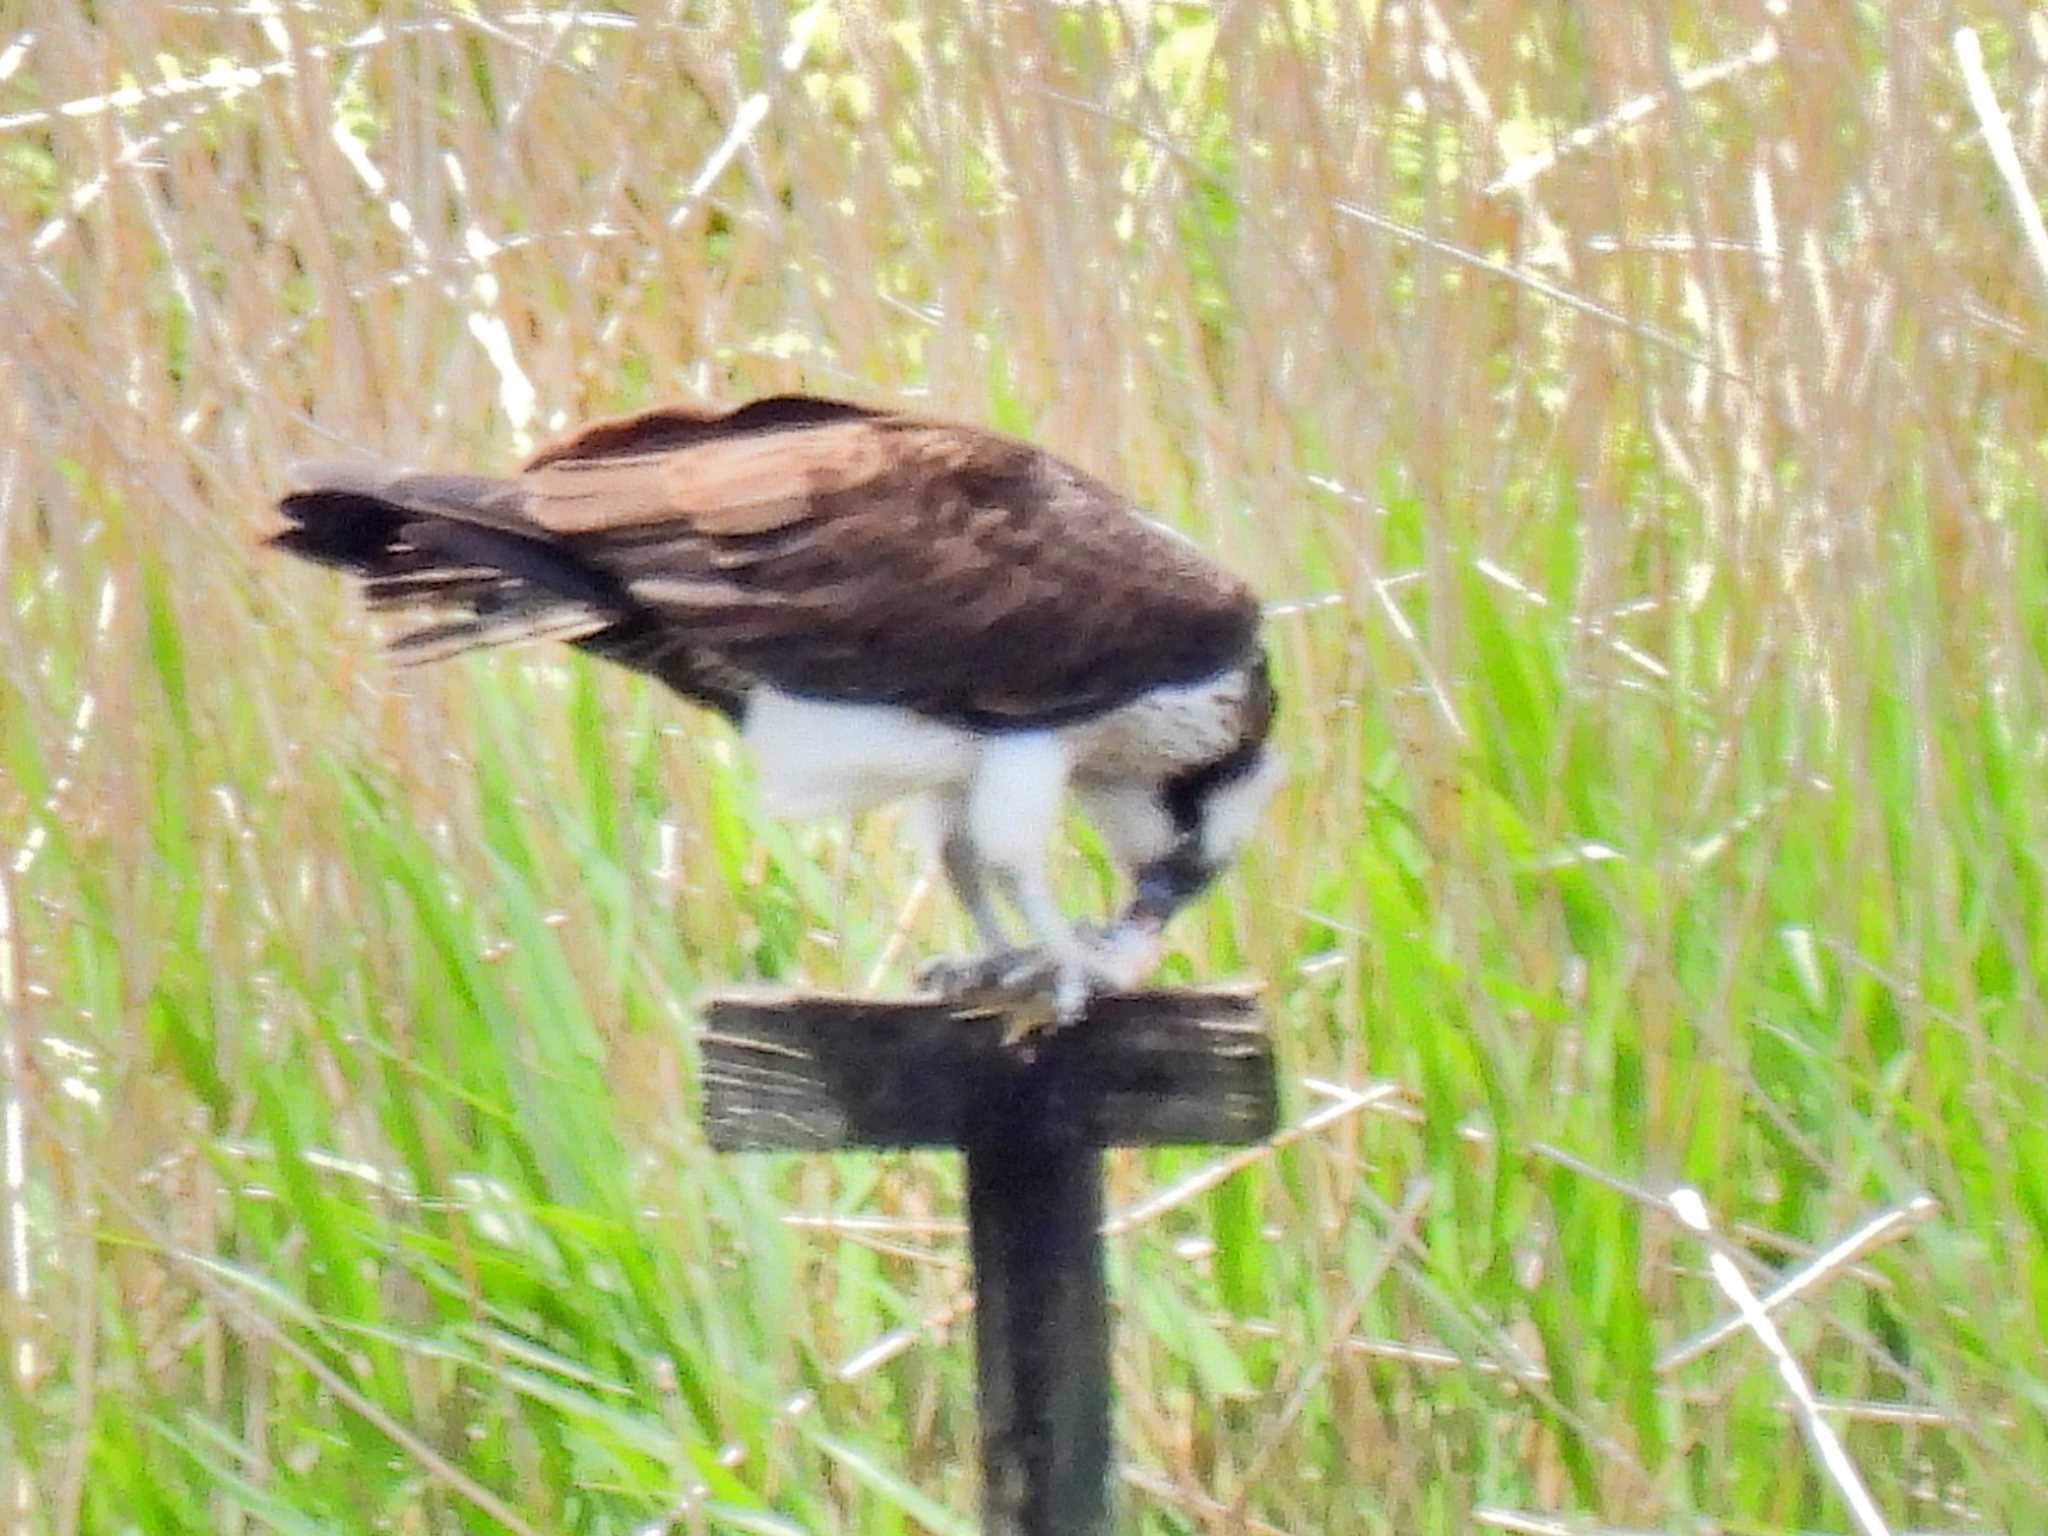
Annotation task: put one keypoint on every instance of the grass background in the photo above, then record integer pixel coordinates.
(1635, 416)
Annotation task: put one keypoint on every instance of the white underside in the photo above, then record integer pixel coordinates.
(1004, 791)
(819, 758)
(822, 759)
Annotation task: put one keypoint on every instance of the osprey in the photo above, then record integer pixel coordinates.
(886, 607)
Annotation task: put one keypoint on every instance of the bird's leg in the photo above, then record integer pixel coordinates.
(1011, 810)
(1073, 969)
(964, 873)
(1000, 967)
(941, 822)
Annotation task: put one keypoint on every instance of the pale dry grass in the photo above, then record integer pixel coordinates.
(1636, 420)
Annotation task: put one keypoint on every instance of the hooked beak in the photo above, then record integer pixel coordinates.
(1166, 886)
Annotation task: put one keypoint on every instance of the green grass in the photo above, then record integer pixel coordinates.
(1667, 745)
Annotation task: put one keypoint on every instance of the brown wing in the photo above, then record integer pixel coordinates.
(882, 558)
(824, 548)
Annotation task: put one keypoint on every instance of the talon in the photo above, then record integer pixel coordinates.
(942, 974)
(1023, 973)
(1072, 987)
(992, 977)
(1041, 993)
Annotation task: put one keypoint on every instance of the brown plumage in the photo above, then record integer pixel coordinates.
(827, 549)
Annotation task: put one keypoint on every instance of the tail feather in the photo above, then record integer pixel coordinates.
(439, 587)
(340, 528)
(437, 642)
(454, 551)
(457, 555)
(538, 561)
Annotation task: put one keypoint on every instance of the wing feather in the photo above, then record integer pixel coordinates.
(827, 549)
(878, 557)
(720, 487)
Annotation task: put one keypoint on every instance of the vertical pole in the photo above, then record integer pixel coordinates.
(1034, 1212)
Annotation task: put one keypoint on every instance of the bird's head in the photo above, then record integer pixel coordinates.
(1212, 808)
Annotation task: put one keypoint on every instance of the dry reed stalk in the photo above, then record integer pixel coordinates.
(1820, 1435)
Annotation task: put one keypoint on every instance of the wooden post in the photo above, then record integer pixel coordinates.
(811, 1073)
(1041, 1319)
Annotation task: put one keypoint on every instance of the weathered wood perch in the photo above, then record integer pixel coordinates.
(792, 1072)
(810, 1073)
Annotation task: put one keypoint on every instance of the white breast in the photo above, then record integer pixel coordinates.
(1162, 732)
(819, 758)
